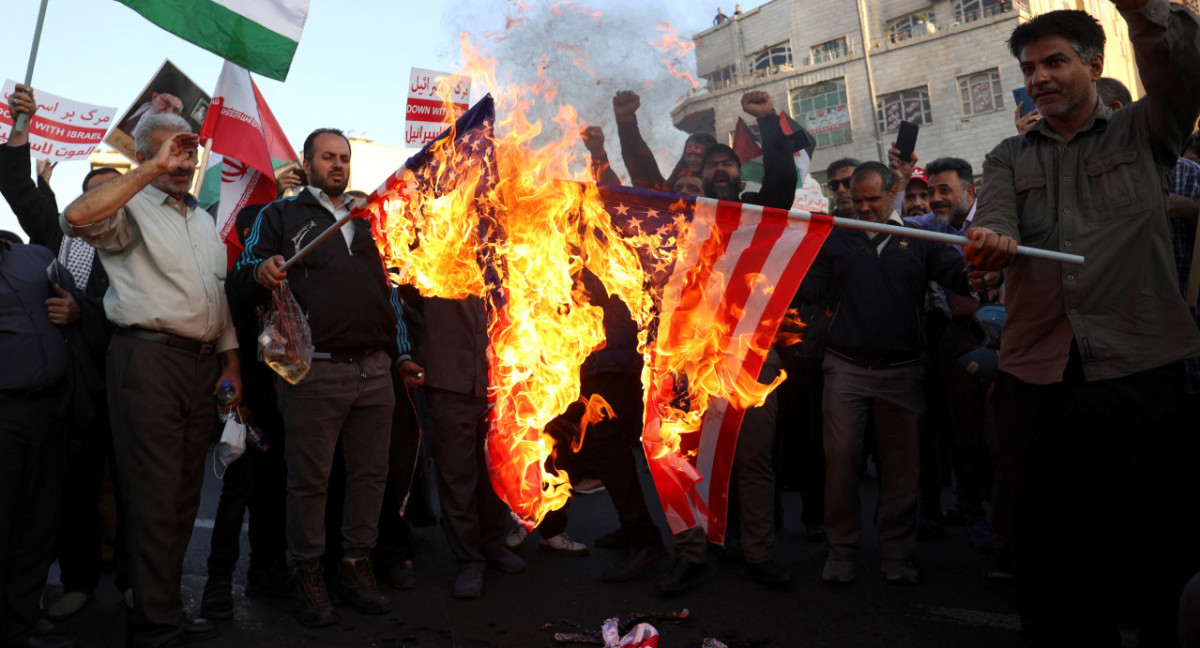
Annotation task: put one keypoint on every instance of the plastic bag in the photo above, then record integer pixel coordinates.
(286, 339)
(231, 446)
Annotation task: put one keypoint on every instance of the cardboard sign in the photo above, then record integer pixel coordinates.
(169, 91)
(62, 129)
(435, 99)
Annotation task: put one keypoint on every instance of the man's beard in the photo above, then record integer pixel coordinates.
(730, 191)
(957, 211)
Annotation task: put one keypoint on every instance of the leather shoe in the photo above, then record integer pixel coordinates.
(469, 584)
(217, 601)
(199, 629)
(504, 560)
(616, 539)
(400, 575)
(51, 641)
(640, 560)
(769, 573)
(683, 575)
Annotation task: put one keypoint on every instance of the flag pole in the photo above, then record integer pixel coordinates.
(341, 222)
(198, 182)
(20, 124)
(937, 237)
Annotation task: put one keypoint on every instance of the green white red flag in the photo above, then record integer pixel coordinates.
(259, 35)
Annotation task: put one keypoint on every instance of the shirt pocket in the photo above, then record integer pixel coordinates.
(1117, 185)
(1036, 220)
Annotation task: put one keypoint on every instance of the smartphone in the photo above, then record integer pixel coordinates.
(906, 140)
(1021, 98)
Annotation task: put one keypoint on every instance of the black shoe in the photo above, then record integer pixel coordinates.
(217, 601)
(312, 599)
(615, 539)
(196, 630)
(358, 587)
(683, 576)
(768, 573)
(50, 641)
(640, 560)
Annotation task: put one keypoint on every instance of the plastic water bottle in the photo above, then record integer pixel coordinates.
(255, 438)
(225, 393)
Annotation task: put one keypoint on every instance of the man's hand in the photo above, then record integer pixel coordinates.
(231, 370)
(758, 104)
(287, 181)
(593, 140)
(268, 274)
(179, 148)
(21, 102)
(625, 105)
(62, 309)
(902, 169)
(412, 373)
(1182, 207)
(979, 280)
(989, 250)
(1023, 124)
(45, 169)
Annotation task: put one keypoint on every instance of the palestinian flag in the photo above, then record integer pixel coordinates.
(259, 35)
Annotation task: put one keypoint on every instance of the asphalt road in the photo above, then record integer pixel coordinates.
(954, 605)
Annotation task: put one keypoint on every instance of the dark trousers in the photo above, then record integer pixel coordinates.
(1105, 513)
(971, 432)
(32, 459)
(799, 450)
(608, 452)
(936, 441)
(78, 545)
(161, 403)
(473, 516)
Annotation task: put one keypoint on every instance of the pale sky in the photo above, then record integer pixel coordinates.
(352, 66)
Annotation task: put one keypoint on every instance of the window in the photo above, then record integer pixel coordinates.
(907, 105)
(910, 26)
(721, 78)
(980, 92)
(772, 57)
(834, 49)
(822, 109)
(968, 10)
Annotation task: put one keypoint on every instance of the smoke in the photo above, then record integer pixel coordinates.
(589, 51)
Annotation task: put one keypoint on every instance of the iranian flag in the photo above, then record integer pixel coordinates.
(250, 144)
(259, 35)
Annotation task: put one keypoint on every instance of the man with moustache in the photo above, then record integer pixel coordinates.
(916, 194)
(876, 285)
(721, 172)
(173, 345)
(347, 394)
(838, 173)
(1093, 352)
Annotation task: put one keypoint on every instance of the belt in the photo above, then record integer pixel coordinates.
(343, 356)
(873, 360)
(170, 339)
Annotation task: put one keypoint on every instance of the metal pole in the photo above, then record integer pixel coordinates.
(341, 222)
(866, 45)
(19, 125)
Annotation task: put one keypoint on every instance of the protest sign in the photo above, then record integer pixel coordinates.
(427, 114)
(62, 129)
(169, 91)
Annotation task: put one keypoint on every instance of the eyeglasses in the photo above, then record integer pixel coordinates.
(834, 184)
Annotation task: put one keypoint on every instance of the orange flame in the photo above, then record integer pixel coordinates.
(670, 43)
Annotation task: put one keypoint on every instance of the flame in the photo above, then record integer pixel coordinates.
(544, 223)
(677, 49)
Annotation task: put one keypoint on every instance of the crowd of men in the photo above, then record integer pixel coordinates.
(1068, 445)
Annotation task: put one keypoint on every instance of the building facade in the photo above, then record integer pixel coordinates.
(942, 64)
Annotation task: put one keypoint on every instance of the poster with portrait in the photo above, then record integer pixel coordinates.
(169, 91)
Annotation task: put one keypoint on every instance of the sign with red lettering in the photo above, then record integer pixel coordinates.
(435, 99)
(61, 129)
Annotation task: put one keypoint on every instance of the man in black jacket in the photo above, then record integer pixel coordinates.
(347, 394)
(875, 287)
(81, 315)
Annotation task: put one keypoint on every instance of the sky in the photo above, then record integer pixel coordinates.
(352, 65)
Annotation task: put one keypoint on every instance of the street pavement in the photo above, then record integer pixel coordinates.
(954, 604)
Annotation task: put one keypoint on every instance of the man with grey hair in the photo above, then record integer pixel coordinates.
(174, 344)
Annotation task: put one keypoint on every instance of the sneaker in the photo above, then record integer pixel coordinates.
(768, 573)
(839, 570)
(683, 576)
(979, 534)
(900, 572)
(516, 538)
(640, 560)
(929, 528)
(312, 599)
(469, 584)
(217, 600)
(400, 575)
(356, 578)
(504, 560)
(67, 605)
(563, 544)
(587, 486)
